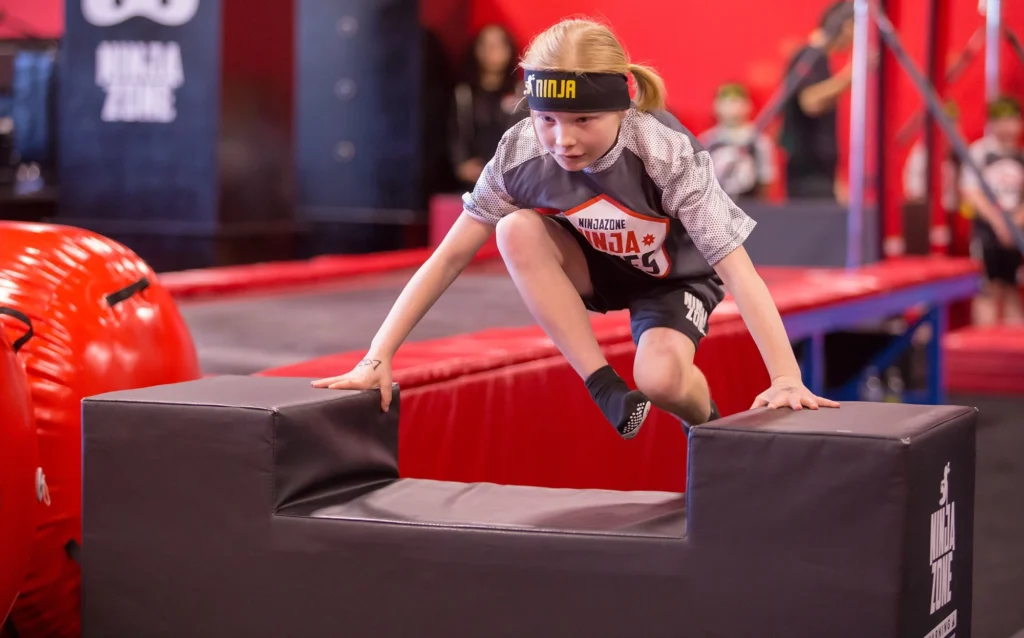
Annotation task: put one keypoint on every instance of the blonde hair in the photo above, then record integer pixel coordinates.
(585, 46)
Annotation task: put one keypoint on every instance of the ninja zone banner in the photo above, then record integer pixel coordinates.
(140, 86)
(939, 537)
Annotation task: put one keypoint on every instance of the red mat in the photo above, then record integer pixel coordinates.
(794, 290)
(985, 360)
(251, 278)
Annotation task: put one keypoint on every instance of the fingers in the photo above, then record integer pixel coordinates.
(385, 395)
(808, 401)
(344, 382)
(827, 403)
(759, 402)
(326, 383)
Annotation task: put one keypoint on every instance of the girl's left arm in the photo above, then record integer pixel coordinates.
(759, 312)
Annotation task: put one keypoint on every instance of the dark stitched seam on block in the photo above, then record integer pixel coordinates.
(273, 461)
(483, 527)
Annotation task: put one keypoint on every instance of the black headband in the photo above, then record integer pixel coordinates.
(576, 92)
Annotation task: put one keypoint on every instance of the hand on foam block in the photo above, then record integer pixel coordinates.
(370, 373)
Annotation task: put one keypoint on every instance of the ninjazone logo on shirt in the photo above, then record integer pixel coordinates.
(1006, 177)
(615, 230)
(171, 13)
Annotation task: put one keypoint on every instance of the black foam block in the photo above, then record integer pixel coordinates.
(251, 506)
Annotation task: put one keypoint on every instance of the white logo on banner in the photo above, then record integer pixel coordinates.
(140, 79)
(942, 543)
(172, 13)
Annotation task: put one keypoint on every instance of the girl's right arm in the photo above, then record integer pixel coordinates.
(455, 252)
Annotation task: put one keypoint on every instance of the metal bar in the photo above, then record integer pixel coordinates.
(888, 33)
(889, 354)
(932, 65)
(1015, 44)
(953, 73)
(858, 131)
(938, 320)
(938, 220)
(993, 40)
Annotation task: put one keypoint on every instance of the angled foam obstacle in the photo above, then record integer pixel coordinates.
(259, 506)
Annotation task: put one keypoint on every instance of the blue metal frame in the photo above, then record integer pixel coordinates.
(810, 327)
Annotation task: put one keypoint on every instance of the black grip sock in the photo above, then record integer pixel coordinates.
(624, 408)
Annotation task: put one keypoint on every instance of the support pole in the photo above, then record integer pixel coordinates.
(888, 34)
(939, 227)
(993, 41)
(858, 135)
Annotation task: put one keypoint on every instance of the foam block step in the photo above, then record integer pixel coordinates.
(259, 506)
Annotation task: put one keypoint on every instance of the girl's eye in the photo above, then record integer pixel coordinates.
(582, 120)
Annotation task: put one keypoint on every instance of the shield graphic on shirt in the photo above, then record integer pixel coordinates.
(1006, 177)
(615, 230)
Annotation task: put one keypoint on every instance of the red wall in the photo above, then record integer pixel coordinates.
(694, 45)
(698, 45)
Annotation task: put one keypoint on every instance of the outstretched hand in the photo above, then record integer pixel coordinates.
(786, 391)
(368, 373)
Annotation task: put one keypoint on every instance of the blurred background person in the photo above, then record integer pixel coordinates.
(744, 159)
(486, 102)
(1000, 157)
(809, 116)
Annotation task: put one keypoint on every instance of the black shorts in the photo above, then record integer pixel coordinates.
(652, 303)
(1001, 263)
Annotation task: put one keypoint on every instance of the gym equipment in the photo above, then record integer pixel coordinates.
(19, 462)
(253, 506)
(101, 322)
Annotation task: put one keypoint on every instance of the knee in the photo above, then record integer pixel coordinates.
(662, 377)
(520, 234)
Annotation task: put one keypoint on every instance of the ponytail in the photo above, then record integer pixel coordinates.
(650, 88)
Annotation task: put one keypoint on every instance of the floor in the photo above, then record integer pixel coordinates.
(999, 517)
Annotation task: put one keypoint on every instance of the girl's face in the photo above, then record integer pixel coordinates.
(576, 140)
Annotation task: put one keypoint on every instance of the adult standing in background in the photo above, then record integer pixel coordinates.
(809, 116)
(486, 101)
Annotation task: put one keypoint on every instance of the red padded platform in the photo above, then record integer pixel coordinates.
(285, 274)
(985, 360)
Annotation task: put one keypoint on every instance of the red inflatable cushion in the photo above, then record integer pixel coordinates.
(19, 458)
(103, 322)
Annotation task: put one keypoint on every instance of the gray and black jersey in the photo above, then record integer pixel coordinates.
(652, 201)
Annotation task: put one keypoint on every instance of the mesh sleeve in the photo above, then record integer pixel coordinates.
(690, 190)
(490, 199)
